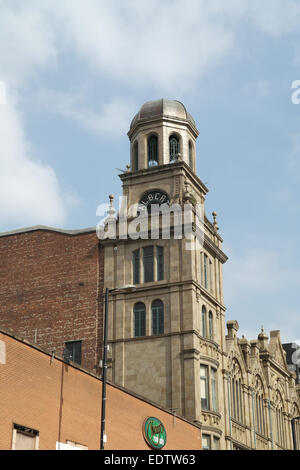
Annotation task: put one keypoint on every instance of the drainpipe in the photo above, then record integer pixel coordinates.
(104, 373)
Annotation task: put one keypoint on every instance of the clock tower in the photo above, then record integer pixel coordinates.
(166, 336)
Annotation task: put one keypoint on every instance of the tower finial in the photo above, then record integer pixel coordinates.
(215, 224)
(111, 212)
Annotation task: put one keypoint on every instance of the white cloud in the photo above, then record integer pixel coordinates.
(27, 41)
(157, 43)
(111, 119)
(162, 44)
(260, 271)
(29, 190)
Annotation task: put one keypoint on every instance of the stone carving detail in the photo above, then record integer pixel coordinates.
(210, 418)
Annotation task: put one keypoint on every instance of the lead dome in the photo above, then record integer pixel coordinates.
(168, 108)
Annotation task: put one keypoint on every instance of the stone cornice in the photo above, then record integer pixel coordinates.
(160, 119)
(209, 245)
(176, 167)
(150, 286)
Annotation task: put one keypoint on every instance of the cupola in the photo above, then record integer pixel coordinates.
(161, 133)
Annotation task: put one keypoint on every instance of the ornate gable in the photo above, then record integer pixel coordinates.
(276, 350)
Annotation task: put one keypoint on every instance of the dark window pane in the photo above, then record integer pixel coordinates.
(136, 156)
(190, 155)
(204, 325)
(157, 317)
(160, 263)
(174, 148)
(153, 151)
(74, 349)
(206, 271)
(148, 264)
(210, 325)
(139, 320)
(136, 266)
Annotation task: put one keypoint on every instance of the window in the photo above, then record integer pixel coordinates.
(206, 267)
(280, 425)
(296, 426)
(160, 263)
(77, 446)
(148, 264)
(259, 406)
(139, 312)
(204, 387)
(174, 148)
(157, 317)
(136, 156)
(216, 443)
(153, 265)
(73, 351)
(190, 155)
(152, 151)
(236, 392)
(205, 271)
(204, 324)
(206, 442)
(213, 381)
(136, 266)
(24, 438)
(208, 388)
(210, 325)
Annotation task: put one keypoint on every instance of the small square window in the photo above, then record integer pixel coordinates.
(73, 351)
(25, 438)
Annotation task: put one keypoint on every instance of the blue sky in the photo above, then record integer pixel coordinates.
(77, 71)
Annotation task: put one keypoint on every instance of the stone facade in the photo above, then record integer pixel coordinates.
(239, 392)
(167, 336)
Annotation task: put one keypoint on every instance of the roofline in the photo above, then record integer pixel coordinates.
(98, 377)
(45, 228)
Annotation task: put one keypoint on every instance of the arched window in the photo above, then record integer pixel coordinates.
(210, 325)
(206, 267)
(190, 154)
(174, 148)
(136, 156)
(139, 312)
(157, 317)
(280, 425)
(204, 323)
(152, 151)
(236, 392)
(296, 426)
(259, 410)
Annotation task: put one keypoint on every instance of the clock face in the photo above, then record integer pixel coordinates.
(153, 197)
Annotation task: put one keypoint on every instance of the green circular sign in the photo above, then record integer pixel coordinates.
(155, 433)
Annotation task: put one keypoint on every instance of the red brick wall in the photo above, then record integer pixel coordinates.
(63, 403)
(41, 276)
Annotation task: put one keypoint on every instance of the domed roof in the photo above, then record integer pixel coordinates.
(170, 108)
